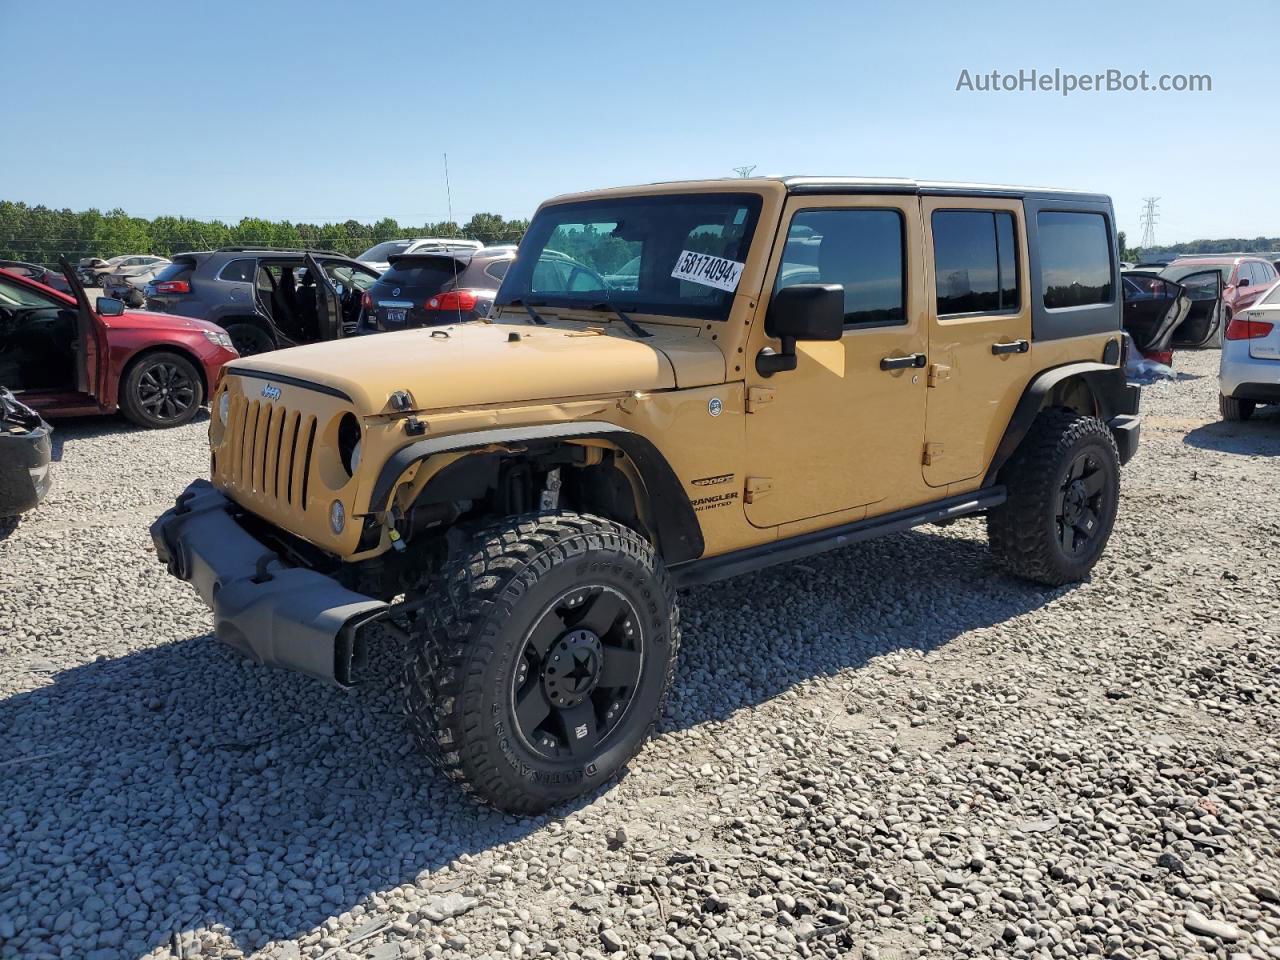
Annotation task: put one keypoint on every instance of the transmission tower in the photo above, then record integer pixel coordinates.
(1148, 219)
(744, 171)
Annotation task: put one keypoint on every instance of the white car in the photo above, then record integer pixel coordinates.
(379, 255)
(1249, 373)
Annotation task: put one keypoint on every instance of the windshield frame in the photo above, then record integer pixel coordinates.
(551, 216)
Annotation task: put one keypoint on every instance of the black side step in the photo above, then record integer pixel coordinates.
(710, 569)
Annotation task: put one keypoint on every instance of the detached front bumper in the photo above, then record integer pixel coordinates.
(277, 614)
(25, 476)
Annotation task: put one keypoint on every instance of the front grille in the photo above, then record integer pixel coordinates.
(268, 451)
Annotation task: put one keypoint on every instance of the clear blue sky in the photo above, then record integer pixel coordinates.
(325, 110)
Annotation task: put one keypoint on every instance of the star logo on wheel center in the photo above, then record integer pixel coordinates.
(583, 670)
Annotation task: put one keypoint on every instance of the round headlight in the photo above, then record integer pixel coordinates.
(355, 456)
(337, 516)
(224, 406)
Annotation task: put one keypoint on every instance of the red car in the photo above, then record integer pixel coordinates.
(63, 357)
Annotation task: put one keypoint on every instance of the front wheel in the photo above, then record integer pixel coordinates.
(161, 390)
(1063, 487)
(249, 339)
(544, 662)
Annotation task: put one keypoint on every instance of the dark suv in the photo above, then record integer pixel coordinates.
(265, 299)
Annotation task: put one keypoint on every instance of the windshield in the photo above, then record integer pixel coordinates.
(679, 255)
(381, 252)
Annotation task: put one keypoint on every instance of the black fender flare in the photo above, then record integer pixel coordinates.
(1112, 395)
(679, 533)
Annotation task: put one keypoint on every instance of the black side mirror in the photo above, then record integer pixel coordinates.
(1242, 282)
(110, 307)
(806, 311)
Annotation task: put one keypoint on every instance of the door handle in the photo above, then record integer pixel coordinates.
(1017, 346)
(899, 363)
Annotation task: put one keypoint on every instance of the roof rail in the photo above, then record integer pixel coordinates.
(259, 248)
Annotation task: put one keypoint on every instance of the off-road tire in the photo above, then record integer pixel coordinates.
(137, 396)
(249, 339)
(1025, 532)
(463, 673)
(1233, 409)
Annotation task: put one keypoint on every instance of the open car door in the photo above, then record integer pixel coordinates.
(90, 337)
(1153, 309)
(1204, 318)
(328, 302)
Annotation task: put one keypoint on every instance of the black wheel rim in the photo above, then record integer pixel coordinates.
(246, 344)
(577, 673)
(1079, 514)
(166, 391)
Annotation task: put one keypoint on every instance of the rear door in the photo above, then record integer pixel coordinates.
(1205, 315)
(979, 331)
(328, 302)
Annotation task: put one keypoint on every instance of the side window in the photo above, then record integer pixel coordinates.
(1075, 259)
(241, 271)
(975, 261)
(498, 269)
(860, 249)
(15, 295)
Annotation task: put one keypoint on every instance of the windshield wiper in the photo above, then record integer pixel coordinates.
(634, 327)
(528, 308)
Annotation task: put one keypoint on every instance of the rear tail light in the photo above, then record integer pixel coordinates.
(173, 286)
(366, 302)
(453, 300)
(1242, 328)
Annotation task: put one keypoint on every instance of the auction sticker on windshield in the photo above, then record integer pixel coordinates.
(708, 270)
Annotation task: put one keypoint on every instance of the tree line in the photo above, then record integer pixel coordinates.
(39, 234)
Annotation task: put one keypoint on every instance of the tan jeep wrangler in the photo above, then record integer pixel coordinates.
(679, 383)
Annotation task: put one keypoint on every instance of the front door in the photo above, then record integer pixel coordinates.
(979, 331)
(843, 429)
(328, 303)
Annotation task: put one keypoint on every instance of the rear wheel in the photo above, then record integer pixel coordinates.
(249, 339)
(1233, 409)
(544, 662)
(161, 390)
(1063, 487)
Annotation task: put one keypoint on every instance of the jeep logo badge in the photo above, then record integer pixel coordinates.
(271, 393)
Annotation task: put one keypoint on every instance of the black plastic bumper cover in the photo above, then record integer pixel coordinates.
(278, 615)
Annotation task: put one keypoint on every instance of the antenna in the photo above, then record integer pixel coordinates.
(448, 194)
(745, 170)
(1149, 217)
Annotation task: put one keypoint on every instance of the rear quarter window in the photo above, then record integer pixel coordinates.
(1075, 259)
(239, 271)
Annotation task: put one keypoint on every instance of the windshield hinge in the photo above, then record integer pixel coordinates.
(758, 487)
(757, 397)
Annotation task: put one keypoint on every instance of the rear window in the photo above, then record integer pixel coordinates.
(1075, 259)
(422, 276)
(178, 270)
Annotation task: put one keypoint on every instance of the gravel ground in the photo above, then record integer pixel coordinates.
(852, 764)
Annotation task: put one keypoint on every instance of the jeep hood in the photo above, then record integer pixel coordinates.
(474, 364)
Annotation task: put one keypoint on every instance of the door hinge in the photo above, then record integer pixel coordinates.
(758, 487)
(757, 397)
(932, 453)
(938, 373)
